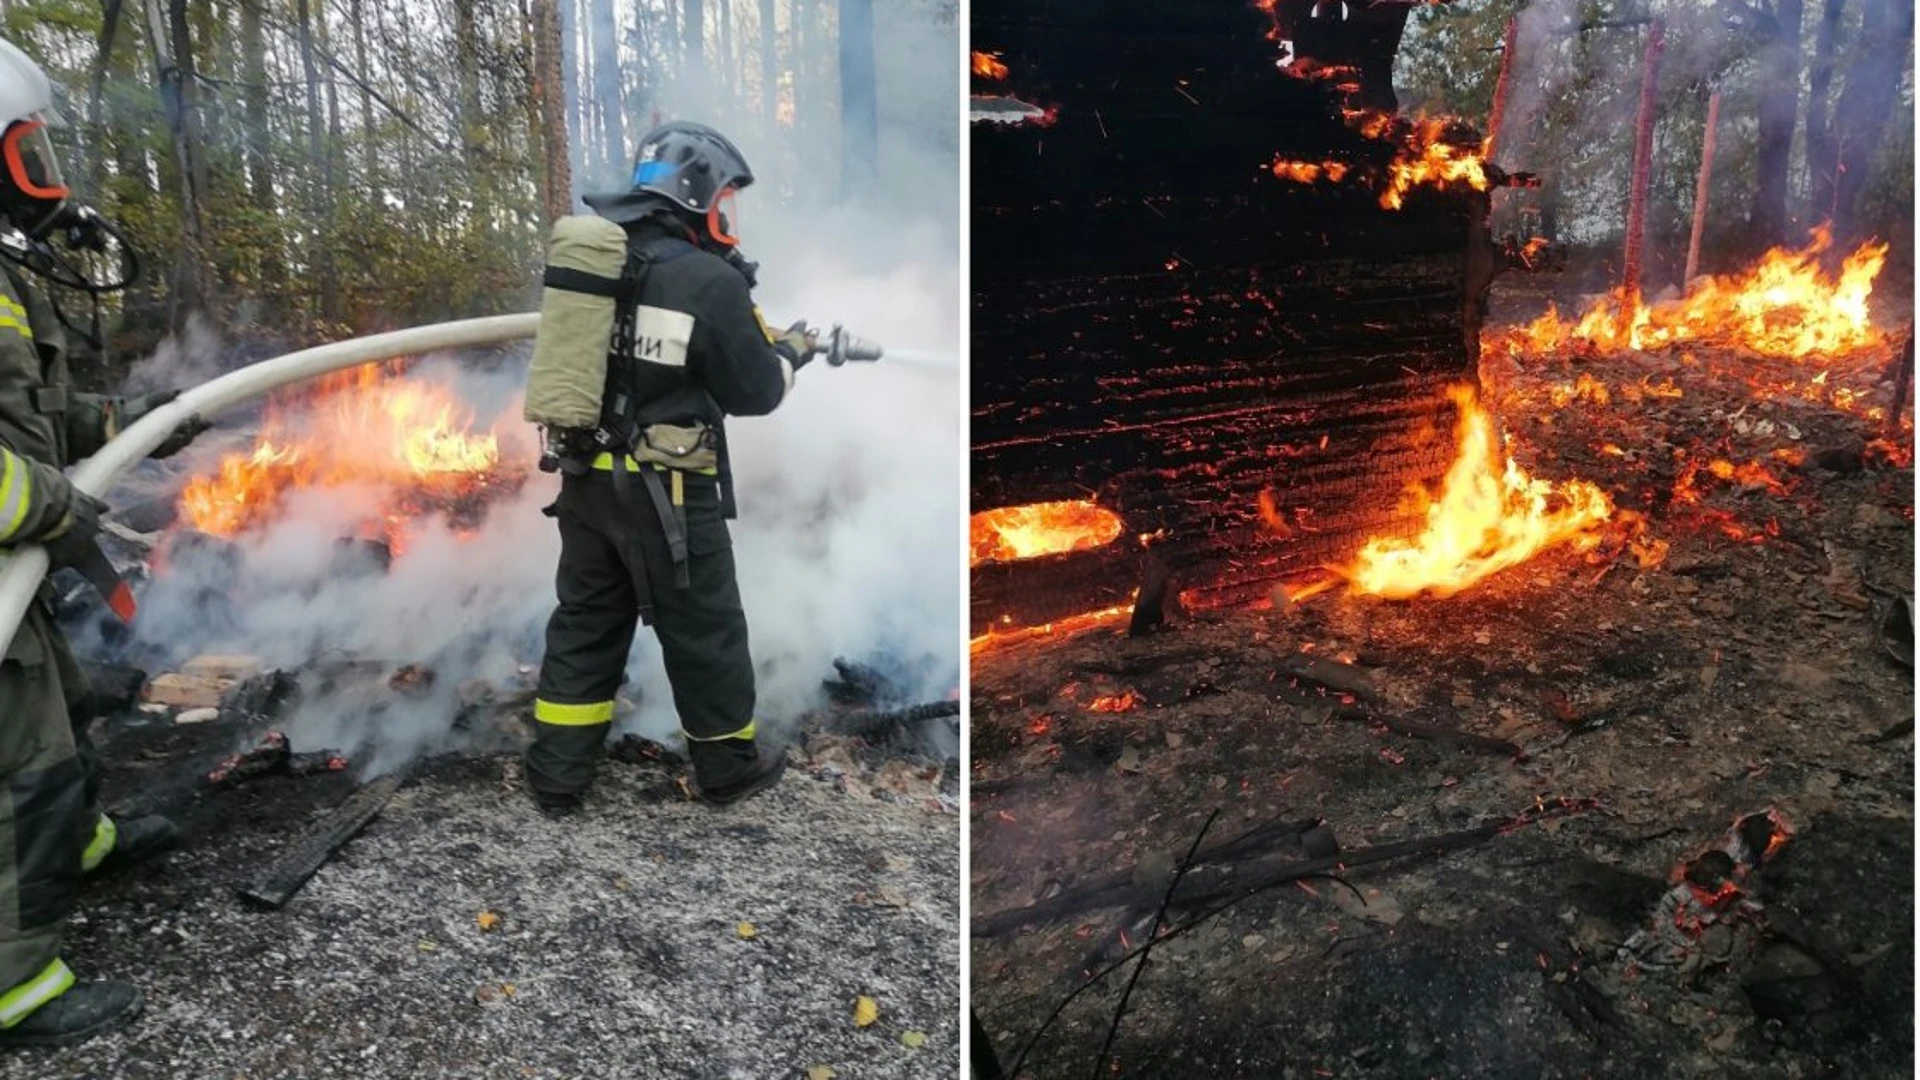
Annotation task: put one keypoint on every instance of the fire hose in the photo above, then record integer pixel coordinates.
(22, 572)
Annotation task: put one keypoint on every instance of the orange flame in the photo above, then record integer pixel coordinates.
(1024, 532)
(1785, 306)
(988, 66)
(1490, 515)
(1422, 156)
(361, 426)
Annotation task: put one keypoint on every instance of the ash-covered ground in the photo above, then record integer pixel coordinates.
(1747, 669)
(621, 947)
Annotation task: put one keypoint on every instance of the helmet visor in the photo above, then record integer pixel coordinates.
(723, 219)
(33, 169)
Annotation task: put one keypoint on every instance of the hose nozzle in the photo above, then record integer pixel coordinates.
(840, 347)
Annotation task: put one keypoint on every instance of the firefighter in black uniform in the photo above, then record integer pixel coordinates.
(644, 504)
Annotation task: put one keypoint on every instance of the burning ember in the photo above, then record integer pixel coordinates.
(1025, 532)
(987, 66)
(359, 427)
(1422, 155)
(1490, 515)
(1786, 306)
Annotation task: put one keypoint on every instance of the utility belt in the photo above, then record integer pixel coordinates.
(662, 450)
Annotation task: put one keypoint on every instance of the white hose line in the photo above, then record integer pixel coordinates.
(21, 573)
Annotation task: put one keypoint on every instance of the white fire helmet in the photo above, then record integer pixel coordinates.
(31, 191)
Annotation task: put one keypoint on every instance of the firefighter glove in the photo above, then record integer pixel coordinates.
(798, 344)
(190, 429)
(80, 522)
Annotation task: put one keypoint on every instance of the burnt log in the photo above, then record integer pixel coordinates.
(1170, 329)
(279, 881)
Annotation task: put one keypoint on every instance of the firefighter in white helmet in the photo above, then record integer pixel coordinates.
(52, 831)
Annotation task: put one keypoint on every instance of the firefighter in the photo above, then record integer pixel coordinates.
(52, 831)
(645, 498)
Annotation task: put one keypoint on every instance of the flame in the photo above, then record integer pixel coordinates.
(1024, 532)
(1785, 306)
(1422, 155)
(988, 65)
(362, 426)
(1306, 172)
(1490, 515)
(1424, 158)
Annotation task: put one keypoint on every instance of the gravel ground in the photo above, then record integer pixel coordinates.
(620, 948)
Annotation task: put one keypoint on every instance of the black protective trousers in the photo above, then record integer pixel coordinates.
(610, 550)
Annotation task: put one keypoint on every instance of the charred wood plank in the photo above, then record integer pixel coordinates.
(280, 881)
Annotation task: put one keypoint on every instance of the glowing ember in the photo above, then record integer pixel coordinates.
(1114, 703)
(1024, 532)
(1785, 306)
(988, 66)
(1490, 515)
(1304, 172)
(360, 427)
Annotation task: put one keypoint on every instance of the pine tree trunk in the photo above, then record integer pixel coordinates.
(607, 89)
(187, 286)
(769, 68)
(1822, 151)
(1779, 107)
(1873, 82)
(859, 121)
(319, 193)
(369, 143)
(551, 91)
(693, 47)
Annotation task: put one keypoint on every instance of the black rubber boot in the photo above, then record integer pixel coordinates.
(766, 772)
(85, 1010)
(141, 840)
(556, 806)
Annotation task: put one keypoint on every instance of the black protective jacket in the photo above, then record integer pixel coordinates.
(694, 348)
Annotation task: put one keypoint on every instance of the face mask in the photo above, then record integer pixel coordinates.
(32, 175)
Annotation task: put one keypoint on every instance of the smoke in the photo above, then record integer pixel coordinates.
(847, 543)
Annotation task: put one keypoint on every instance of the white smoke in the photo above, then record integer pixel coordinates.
(847, 542)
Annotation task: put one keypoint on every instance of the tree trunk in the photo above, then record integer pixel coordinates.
(859, 121)
(96, 97)
(769, 68)
(466, 59)
(729, 67)
(605, 36)
(187, 286)
(1873, 82)
(550, 88)
(319, 195)
(1822, 151)
(693, 47)
(1779, 106)
(259, 142)
(570, 83)
(369, 143)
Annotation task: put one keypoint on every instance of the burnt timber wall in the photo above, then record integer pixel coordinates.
(1162, 325)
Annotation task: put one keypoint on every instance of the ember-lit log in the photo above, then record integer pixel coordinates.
(1642, 159)
(1700, 191)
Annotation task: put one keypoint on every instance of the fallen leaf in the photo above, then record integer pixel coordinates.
(865, 1011)
(745, 930)
(428, 946)
(1129, 760)
(820, 1072)
(914, 1040)
(487, 920)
